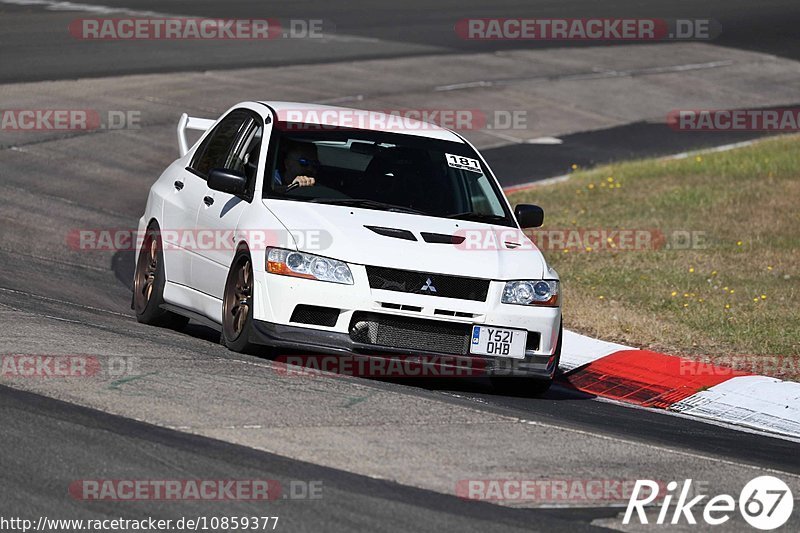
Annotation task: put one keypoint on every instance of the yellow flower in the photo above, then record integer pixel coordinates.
(713, 272)
(601, 297)
(731, 291)
(727, 306)
(588, 248)
(700, 300)
(574, 166)
(769, 268)
(763, 296)
(686, 305)
(674, 293)
(685, 294)
(610, 179)
(739, 243)
(698, 158)
(566, 250)
(691, 269)
(725, 289)
(590, 186)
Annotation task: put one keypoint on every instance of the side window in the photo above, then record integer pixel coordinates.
(244, 155)
(216, 149)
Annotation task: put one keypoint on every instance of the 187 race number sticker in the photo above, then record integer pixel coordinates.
(463, 163)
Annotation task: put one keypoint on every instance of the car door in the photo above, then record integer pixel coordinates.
(180, 214)
(219, 212)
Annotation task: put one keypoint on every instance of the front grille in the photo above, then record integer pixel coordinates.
(312, 314)
(462, 288)
(407, 333)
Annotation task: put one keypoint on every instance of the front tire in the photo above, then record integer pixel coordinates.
(149, 279)
(237, 305)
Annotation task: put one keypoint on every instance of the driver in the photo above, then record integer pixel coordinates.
(299, 166)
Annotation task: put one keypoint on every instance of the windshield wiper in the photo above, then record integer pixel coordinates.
(479, 217)
(367, 204)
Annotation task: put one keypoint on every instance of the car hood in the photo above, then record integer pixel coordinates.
(487, 251)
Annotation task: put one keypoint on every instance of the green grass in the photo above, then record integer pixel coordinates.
(738, 294)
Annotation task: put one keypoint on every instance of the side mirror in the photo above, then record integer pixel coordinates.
(228, 181)
(529, 216)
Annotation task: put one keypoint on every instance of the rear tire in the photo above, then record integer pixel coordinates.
(237, 305)
(149, 279)
(525, 386)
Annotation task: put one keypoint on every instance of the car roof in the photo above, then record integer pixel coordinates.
(346, 117)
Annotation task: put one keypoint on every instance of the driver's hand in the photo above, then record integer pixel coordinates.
(304, 181)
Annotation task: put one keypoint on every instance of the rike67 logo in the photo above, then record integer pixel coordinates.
(765, 503)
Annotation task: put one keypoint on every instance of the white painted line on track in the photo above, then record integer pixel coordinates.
(341, 99)
(54, 5)
(56, 300)
(465, 85)
(545, 140)
(695, 418)
(680, 155)
(595, 74)
(648, 71)
(683, 453)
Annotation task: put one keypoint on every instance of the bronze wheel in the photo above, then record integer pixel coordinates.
(149, 280)
(238, 300)
(146, 270)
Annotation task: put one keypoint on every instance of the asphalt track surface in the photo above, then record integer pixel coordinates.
(53, 300)
(34, 47)
(52, 462)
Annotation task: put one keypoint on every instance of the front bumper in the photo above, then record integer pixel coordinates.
(276, 298)
(298, 338)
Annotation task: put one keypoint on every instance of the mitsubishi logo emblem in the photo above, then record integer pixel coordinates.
(428, 286)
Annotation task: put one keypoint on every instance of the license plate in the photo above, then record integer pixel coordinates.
(498, 342)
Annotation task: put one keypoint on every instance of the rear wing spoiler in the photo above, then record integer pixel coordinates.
(190, 123)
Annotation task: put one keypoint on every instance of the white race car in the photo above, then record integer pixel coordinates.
(338, 231)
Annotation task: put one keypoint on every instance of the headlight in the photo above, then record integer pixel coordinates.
(298, 264)
(534, 292)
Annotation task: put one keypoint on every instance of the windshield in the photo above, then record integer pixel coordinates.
(384, 171)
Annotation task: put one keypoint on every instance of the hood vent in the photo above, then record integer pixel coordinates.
(393, 232)
(441, 238)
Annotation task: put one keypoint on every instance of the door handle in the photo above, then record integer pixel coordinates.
(208, 200)
(178, 184)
